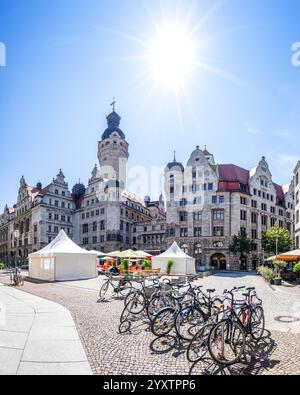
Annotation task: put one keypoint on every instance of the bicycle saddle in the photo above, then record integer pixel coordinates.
(250, 289)
(210, 291)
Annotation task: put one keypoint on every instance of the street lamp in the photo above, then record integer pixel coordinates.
(17, 236)
(276, 240)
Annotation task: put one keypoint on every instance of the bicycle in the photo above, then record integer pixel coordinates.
(123, 287)
(16, 278)
(227, 339)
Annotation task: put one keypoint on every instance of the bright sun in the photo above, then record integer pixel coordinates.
(172, 56)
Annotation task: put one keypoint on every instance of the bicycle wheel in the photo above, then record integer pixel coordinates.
(257, 323)
(103, 291)
(188, 322)
(198, 347)
(125, 289)
(21, 281)
(227, 342)
(163, 322)
(155, 305)
(135, 303)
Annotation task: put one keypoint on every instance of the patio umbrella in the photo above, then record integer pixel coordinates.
(272, 258)
(144, 254)
(291, 256)
(127, 254)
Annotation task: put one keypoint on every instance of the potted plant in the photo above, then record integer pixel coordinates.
(279, 267)
(170, 264)
(146, 265)
(296, 270)
(124, 266)
(2, 266)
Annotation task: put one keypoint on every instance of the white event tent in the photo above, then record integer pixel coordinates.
(62, 260)
(183, 264)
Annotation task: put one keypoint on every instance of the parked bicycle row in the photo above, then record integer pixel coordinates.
(206, 323)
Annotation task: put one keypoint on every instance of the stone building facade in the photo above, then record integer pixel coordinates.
(209, 203)
(297, 204)
(205, 204)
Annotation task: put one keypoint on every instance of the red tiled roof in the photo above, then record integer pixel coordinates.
(233, 173)
(231, 176)
(280, 192)
(42, 192)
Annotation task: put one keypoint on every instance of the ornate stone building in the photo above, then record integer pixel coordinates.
(297, 204)
(205, 204)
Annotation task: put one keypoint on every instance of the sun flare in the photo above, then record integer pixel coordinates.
(172, 57)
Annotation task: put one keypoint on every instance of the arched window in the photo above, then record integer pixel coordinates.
(185, 248)
(198, 249)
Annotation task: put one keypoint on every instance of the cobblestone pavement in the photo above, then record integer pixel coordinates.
(141, 353)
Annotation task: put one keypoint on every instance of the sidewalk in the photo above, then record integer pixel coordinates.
(38, 337)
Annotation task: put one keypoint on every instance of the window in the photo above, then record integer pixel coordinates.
(50, 216)
(97, 212)
(95, 240)
(102, 225)
(214, 199)
(243, 215)
(218, 231)
(210, 186)
(218, 215)
(183, 215)
(83, 216)
(184, 232)
(183, 202)
(254, 218)
(56, 217)
(197, 232)
(254, 234)
(243, 201)
(85, 241)
(63, 218)
(221, 199)
(95, 227)
(243, 231)
(254, 203)
(85, 228)
(56, 203)
(55, 229)
(56, 192)
(92, 213)
(197, 216)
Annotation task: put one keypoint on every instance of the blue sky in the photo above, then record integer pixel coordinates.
(65, 62)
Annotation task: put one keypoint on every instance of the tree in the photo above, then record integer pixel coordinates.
(277, 240)
(241, 245)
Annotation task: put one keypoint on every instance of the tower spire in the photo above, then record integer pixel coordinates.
(174, 156)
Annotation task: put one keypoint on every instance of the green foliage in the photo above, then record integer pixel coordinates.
(267, 273)
(241, 245)
(279, 266)
(269, 238)
(146, 264)
(296, 268)
(2, 266)
(170, 264)
(124, 266)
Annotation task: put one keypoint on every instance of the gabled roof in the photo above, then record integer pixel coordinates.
(174, 252)
(62, 244)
